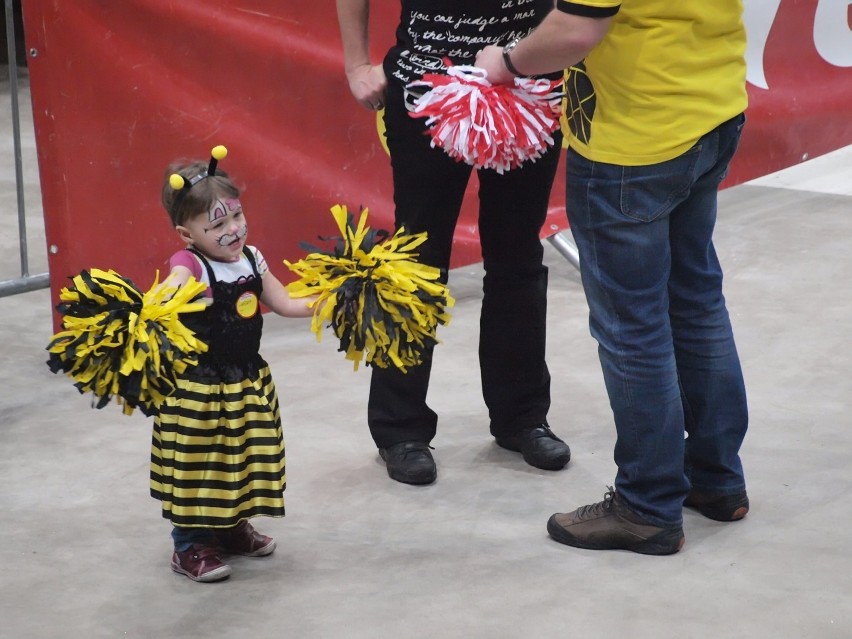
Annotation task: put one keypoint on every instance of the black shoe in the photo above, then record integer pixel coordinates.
(718, 507)
(539, 446)
(410, 463)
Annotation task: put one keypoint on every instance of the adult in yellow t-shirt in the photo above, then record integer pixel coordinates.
(656, 94)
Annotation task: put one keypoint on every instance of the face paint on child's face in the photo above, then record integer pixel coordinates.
(229, 208)
(228, 226)
(221, 208)
(217, 211)
(229, 238)
(221, 233)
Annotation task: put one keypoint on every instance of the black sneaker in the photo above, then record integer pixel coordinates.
(539, 447)
(611, 525)
(410, 463)
(718, 507)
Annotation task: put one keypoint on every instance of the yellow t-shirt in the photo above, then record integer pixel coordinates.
(666, 73)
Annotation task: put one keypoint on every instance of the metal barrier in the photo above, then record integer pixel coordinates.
(25, 282)
(564, 243)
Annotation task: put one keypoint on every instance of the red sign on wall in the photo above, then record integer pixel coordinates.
(121, 89)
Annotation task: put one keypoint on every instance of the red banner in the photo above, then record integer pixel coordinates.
(799, 82)
(121, 89)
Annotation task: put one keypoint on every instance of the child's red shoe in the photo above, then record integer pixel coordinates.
(244, 540)
(201, 563)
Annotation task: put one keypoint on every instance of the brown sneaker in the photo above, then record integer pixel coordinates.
(718, 507)
(611, 525)
(244, 540)
(201, 563)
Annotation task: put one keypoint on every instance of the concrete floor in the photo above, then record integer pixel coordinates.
(84, 552)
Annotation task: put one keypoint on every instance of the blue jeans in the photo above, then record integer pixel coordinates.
(654, 288)
(184, 537)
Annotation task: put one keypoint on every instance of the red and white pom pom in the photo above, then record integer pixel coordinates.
(489, 126)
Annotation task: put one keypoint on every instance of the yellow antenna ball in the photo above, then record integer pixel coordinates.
(219, 152)
(176, 181)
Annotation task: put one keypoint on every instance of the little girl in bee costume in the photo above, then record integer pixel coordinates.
(218, 452)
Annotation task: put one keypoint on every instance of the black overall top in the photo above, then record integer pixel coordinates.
(233, 341)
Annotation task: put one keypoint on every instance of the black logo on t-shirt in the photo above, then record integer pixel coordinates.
(581, 102)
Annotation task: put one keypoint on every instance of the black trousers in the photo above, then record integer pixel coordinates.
(429, 187)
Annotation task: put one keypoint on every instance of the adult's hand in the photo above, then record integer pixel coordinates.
(367, 83)
(491, 59)
(561, 40)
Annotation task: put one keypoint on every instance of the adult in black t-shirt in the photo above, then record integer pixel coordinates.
(428, 190)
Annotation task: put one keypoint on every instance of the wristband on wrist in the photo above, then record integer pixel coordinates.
(507, 60)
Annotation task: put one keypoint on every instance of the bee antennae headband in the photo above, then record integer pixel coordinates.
(180, 183)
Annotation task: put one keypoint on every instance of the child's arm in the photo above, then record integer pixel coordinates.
(276, 297)
(183, 266)
(178, 277)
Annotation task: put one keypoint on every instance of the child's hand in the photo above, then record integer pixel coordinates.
(276, 297)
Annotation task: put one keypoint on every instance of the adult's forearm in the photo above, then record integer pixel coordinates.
(353, 17)
(561, 40)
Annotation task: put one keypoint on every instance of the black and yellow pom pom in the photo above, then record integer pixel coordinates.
(118, 342)
(381, 303)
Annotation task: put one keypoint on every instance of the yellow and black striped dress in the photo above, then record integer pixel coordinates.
(217, 454)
